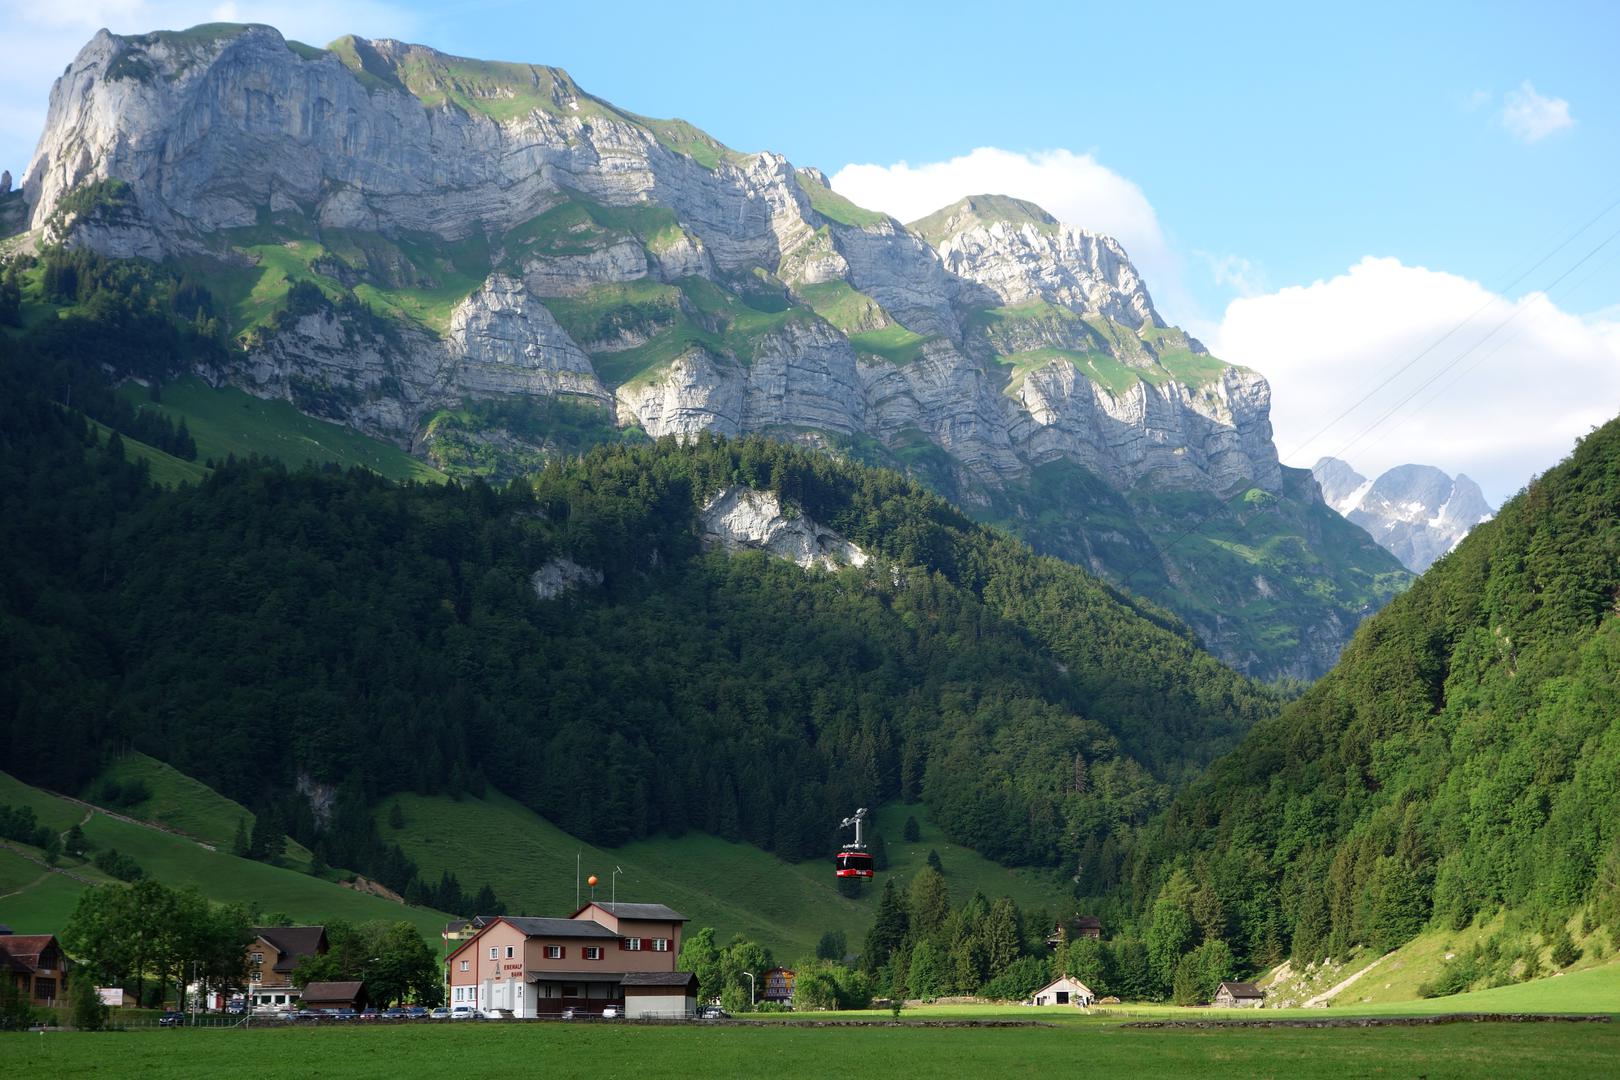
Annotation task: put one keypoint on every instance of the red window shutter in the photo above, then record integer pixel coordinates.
(646, 944)
(562, 952)
(624, 945)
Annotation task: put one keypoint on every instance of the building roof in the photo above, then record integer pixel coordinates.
(4, 929)
(22, 950)
(658, 978)
(626, 910)
(1088, 922)
(333, 991)
(292, 942)
(1069, 979)
(573, 976)
(581, 928)
(1243, 990)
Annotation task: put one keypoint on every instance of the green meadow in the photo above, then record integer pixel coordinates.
(1568, 1051)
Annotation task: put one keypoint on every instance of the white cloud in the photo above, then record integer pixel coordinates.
(40, 39)
(1531, 117)
(1234, 272)
(1525, 378)
(1074, 188)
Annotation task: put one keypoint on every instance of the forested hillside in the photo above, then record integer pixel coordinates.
(1463, 758)
(308, 642)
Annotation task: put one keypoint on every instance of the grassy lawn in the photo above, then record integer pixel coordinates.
(229, 421)
(1565, 1050)
(164, 468)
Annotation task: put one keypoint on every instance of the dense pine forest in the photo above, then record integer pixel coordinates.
(1462, 758)
(311, 641)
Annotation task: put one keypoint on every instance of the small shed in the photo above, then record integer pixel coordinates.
(649, 994)
(1065, 991)
(335, 995)
(1239, 995)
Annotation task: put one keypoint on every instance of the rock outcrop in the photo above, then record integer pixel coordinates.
(1415, 512)
(740, 519)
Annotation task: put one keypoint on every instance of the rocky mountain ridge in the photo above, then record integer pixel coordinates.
(391, 232)
(1416, 512)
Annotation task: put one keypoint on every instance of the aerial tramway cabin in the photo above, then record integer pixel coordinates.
(619, 956)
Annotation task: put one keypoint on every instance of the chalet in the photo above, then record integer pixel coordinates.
(36, 966)
(1088, 926)
(526, 967)
(778, 985)
(1065, 991)
(271, 957)
(335, 995)
(1239, 995)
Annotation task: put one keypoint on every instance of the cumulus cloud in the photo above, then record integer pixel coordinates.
(1530, 117)
(1502, 398)
(1074, 188)
(40, 39)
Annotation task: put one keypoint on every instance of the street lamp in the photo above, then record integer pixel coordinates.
(750, 975)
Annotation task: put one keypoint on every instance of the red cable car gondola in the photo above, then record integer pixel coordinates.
(853, 860)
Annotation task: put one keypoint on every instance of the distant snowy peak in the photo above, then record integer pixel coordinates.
(1416, 512)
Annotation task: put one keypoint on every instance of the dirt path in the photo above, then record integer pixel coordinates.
(92, 809)
(1332, 991)
(17, 849)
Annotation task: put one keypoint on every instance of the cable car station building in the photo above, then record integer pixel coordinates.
(618, 955)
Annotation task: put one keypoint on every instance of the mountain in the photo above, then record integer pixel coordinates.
(1416, 512)
(1457, 768)
(732, 636)
(434, 250)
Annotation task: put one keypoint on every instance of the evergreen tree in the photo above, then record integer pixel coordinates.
(1002, 936)
(911, 832)
(889, 928)
(929, 903)
(241, 847)
(929, 976)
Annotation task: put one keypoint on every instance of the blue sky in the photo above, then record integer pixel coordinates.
(1244, 156)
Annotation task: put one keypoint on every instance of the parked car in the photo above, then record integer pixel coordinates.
(344, 1014)
(463, 1012)
(368, 1014)
(612, 1012)
(570, 1014)
(441, 1013)
(393, 1014)
(713, 1012)
(307, 1014)
(171, 1019)
(235, 1008)
(417, 1012)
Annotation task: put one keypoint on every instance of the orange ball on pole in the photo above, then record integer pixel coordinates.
(591, 881)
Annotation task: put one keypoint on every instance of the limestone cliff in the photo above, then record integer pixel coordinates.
(480, 230)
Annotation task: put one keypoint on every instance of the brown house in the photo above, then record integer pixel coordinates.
(36, 965)
(271, 958)
(526, 967)
(335, 995)
(1239, 995)
(778, 985)
(1088, 926)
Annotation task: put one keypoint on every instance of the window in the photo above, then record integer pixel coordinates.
(258, 958)
(554, 952)
(660, 944)
(631, 943)
(593, 952)
(494, 952)
(464, 965)
(458, 993)
(510, 952)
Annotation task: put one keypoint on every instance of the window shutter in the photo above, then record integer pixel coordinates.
(646, 943)
(562, 952)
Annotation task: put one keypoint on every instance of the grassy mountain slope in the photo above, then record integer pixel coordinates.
(44, 900)
(1459, 761)
(734, 887)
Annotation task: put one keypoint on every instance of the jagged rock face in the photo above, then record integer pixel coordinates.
(562, 575)
(740, 518)
(1070, 267)
(534, 240)
(1415, 512)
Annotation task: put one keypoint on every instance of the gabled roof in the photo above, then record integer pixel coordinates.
(627, 910)
(1243, 990)
(658, 978)
(580, 928)
(22, 950)
(1070, 979)
(1088, 922)
(292, 942)
(333, 991)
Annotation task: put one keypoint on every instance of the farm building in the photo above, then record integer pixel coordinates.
(1065, 991)
(1239, 995)
(35, 965)
(335, 995)
(599, 957)
(271, 957)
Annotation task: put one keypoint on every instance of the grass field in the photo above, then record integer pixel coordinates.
(45, 906)
(733, 887)
(1568, 1051)
(229, 421)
